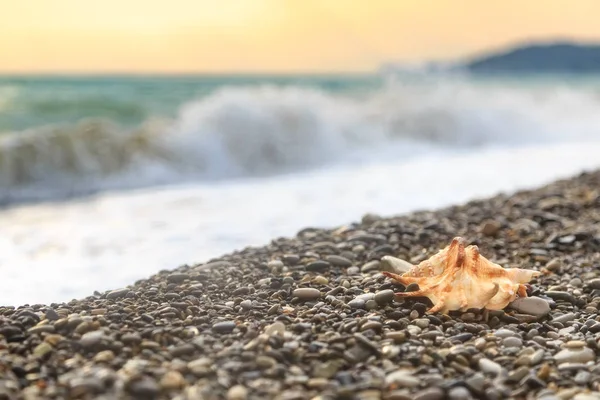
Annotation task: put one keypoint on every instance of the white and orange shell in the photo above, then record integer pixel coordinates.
(459, 278)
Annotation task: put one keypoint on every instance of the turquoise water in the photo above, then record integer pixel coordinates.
(27, 102)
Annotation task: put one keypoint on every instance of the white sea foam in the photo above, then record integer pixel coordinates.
(269, 130)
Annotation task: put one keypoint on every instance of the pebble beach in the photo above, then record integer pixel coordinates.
(312, 316)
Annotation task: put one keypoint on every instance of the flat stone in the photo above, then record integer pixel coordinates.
(558, 295)
(338, 261)
(402, 378)
(41, 329)
(115, 294)
(490, 367)
(370, 266)
(357, 303)
(307, 293)
(394, 265)
(531, 305)
(433, 393)
(91, 339)
(318, 266)
(237, 392)
(504, 333)
(384, 297)
(177, 277)
(224, 327)
(512, 342)
(565, 318)
(582, 355)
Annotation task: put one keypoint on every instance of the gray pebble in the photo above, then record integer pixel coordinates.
(531, 305)
(402, 378)
(354, 270)
(145, 387)
(246, 304)
(224, 327)
(582, 355)
(395, 265)
(459, 393)
(115, 294)
(357, 303)
(307, 293)
(371, 305)
(490, 367)
(177, 277)
(384, 297)
(339, 261)
(91, 339)
(504, 333)
(565, 318)
(370, 266)
(512, 342)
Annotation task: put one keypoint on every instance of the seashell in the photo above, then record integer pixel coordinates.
(460, 278)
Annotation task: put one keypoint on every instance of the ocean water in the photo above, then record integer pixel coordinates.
(106, 180)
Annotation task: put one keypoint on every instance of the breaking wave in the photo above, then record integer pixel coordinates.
(257, 131)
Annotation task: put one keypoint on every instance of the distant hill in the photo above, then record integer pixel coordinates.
(556, 57)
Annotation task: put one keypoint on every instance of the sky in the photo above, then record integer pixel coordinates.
(281, 36)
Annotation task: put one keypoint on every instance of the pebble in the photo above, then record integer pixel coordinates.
(476, 383)
(512, 342)
(375, 325)
(395, 265)
(402, 378)
(581, 355)
(224, 327)
(41, 329)
(145, 388)
(384, 296)
(307, 293)
(504, 333)
(594, 283)
(172, 380)
(51, 315)
(104, 356)
(558, 295)
(489, 366)
(553, 265)
(531, 305)
(357, 303)
(370, 266)
(42, 349)
(115, 294)
(338, 261)
(565, 318)
(318, 266)
(320, 280)
(432, 393)
(459, 393)
(490, 228)
(91, 339)
(237, 392)
(177, 277)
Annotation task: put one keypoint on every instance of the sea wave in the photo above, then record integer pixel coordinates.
(257, 131)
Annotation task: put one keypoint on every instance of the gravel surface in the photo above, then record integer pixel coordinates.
(313, 317)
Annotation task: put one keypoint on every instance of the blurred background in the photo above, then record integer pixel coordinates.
(141, 135)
